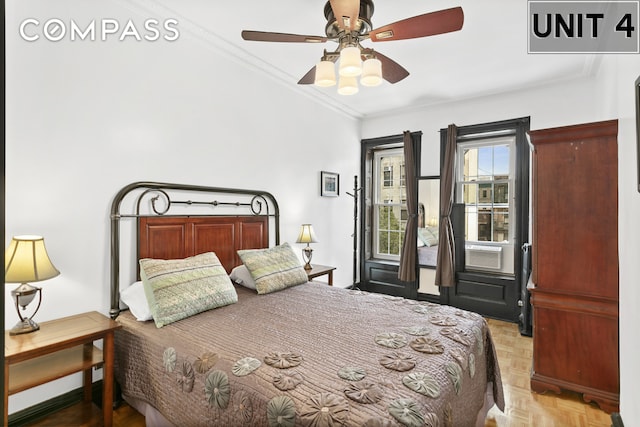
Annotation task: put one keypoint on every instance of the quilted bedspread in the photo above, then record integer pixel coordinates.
(313, 355)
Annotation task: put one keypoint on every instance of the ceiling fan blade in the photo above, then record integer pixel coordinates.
(429, 24)
(263, 36)
(391, 70)
(346, 13)
(308, 78)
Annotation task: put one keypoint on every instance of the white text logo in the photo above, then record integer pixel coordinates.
(55, 29)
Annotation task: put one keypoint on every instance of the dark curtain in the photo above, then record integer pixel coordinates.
(407, 271)
(445, 268)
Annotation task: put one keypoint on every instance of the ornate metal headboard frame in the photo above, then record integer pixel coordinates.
(261, 203)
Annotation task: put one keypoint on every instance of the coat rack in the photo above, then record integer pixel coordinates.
(355, 230)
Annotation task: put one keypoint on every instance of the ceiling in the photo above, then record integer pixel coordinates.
(487, 56)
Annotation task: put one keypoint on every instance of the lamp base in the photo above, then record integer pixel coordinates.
(24, 327)
(307, 253)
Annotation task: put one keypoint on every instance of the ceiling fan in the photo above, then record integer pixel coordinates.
(348, 24)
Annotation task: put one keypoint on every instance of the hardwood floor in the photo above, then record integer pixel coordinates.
(523, 408)
(89, 415)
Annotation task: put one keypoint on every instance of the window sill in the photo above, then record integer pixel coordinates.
(384, 261)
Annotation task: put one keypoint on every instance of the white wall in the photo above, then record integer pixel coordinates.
(86, 118)
(616, 96)
(608, 95)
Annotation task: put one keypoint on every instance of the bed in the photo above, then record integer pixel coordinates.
(428, 246)
(305, 354)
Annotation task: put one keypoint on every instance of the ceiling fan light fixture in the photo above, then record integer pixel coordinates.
(325, 74)
(350, 62)
(371, 72)
(348, 85)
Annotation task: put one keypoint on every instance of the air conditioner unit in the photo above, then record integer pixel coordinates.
(483, 257)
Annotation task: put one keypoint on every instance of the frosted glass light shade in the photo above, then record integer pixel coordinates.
(348, 85)
(350, 62)
(325, 74)
(371, 72)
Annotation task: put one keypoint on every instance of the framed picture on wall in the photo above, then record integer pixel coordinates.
(329, 184)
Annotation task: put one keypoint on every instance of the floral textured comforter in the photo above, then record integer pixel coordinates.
(313, 355)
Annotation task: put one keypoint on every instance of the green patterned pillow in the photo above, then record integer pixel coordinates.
(179, 288)
(273, 269)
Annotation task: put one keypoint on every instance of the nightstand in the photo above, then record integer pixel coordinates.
(320, 270)
(62, 347)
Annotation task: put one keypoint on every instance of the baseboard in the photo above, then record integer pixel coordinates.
(43, 409)
(616, 420)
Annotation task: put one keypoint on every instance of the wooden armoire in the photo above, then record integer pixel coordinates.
(575, 262)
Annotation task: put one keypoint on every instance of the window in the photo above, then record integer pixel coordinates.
(390, 203)
(387, 176)
(485, 185)
(490, 216)
(384, 214)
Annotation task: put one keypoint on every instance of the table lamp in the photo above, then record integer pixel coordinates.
(307, 236)
(26, 260)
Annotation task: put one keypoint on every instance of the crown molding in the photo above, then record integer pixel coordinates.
(218, 44)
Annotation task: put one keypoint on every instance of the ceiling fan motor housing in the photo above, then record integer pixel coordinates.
(362, 27)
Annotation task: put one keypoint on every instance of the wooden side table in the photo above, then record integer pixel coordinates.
(62, 347)
(320, 270)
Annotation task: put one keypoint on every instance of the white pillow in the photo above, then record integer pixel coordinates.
(242, 276)
(135, 298)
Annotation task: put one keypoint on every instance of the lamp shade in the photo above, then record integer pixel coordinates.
(325, 74)
(350, 62)
(348, 85)
(307, 234)
(26, 260)
(371, 72)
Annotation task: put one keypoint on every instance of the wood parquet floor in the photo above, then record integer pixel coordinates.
(523, 408)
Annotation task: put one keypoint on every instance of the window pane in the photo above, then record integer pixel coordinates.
(484, 225)
(501, 194)
(383, 242)
(470, 193)
(485, 163)
(501, 225)
(470, 165)
(383, 229)
(501, 160)
(471, 222)
(390, 230)
(485, 193)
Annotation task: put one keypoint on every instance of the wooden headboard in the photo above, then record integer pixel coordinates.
(184, 236)
(168, 226)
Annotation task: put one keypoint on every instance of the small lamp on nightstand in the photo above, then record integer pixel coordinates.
(26, 260)
(307, 236)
